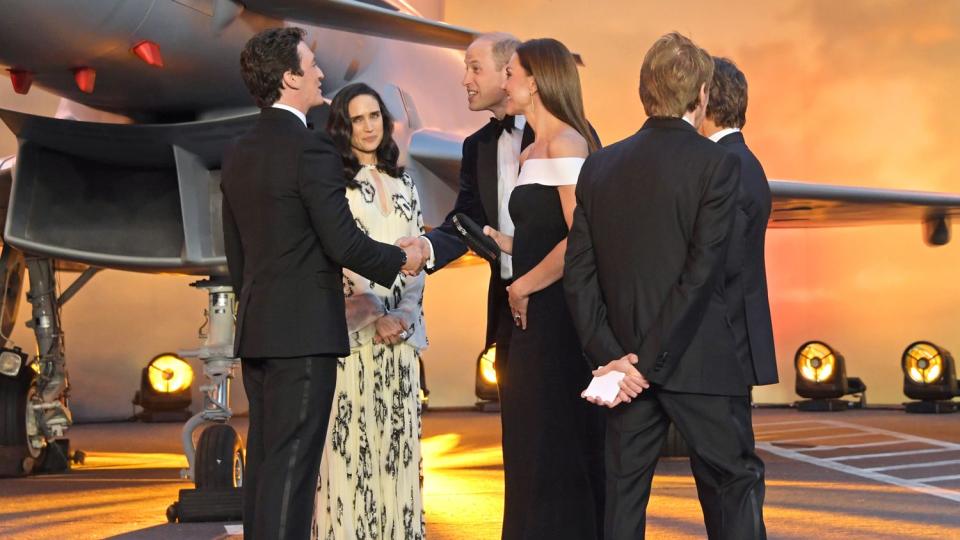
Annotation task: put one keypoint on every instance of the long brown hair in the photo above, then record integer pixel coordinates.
(555, 70)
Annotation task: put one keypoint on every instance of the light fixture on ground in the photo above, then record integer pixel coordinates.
(488, 395)
(164, 391)
(11, 361)
(822, 378)
(929, 375)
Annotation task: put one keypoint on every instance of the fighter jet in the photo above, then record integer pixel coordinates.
(128, 176)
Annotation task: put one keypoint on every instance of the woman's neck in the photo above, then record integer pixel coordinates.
(545, 125)
(365, 158)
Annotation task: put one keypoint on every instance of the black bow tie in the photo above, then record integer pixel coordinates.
(503, 125)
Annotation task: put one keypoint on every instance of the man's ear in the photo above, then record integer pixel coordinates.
(704, 96)
(291, 80)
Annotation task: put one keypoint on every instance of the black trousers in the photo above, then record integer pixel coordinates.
(290, 402)
(727, 470)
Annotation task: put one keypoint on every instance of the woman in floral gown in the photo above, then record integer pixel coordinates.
(370, 475)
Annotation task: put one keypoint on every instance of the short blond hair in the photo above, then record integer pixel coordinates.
(673, 71)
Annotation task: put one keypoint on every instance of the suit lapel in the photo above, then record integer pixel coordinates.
(487, 177)
(527, 136)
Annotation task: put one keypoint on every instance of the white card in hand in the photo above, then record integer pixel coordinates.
(606, 387)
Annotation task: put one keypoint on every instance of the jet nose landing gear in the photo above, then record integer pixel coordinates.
(217, 463)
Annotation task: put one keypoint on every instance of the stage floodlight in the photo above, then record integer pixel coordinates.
(164, 391)
(169, 374)
(822, 378)
(486, 385)
(929, 375)
(11, 360)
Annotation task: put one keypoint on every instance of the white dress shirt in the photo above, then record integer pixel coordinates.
(508, 169)
(300, 115)
(723, 133)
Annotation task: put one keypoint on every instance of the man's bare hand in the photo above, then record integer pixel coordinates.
(632, 385)
(417, 254)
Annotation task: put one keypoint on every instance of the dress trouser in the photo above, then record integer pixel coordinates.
(711, 494)
(728, 473)
(290, 402)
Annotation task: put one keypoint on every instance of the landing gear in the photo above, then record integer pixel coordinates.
(49, 402)
(220, 458)
(34, 406)
(22, 446)
(217, 463)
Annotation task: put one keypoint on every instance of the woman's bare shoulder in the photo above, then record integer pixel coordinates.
(567, 143)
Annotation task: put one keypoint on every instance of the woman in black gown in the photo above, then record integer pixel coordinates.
(552, 438)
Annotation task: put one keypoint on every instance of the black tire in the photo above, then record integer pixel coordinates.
(16, 457)
(219, 454)
(674, 445)
(173, 512)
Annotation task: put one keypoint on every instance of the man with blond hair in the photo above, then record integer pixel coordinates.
(645, 278)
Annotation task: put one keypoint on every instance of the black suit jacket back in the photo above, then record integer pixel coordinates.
(287, 232)
(646, 256)
(746, 269)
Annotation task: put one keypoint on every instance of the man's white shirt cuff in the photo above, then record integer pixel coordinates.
(431, 260)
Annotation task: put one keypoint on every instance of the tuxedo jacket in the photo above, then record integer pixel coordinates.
(288, 232)
(477, 199)
(747, 301)
(646, 258)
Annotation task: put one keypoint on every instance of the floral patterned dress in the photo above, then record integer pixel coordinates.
(370, 474)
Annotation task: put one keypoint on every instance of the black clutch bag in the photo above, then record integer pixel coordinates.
(473, 236)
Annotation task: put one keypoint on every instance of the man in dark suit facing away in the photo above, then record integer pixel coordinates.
(288, 231)
(645, 276)
(748, 306)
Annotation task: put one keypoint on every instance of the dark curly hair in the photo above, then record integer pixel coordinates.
(340, 128)
(264, 60)
(727, 107)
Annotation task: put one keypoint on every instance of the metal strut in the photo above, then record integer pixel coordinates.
(219, 365)
(50, 400)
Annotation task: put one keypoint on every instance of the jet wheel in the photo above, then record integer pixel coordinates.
(22, 445)
(220, 458)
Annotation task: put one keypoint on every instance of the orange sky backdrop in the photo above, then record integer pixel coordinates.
(853, 92)
(850, 92)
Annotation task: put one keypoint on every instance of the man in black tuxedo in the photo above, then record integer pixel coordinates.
(287, 233)
(488, 174)
(645, 277)
(748, 306)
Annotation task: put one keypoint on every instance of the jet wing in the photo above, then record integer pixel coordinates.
(365, 19)
(802, 204)
(440, 152)
(795, 204)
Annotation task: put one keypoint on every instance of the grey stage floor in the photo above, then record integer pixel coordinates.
(855, 474)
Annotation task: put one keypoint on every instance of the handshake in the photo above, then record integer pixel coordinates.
(417, 249)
